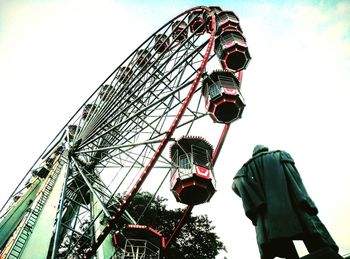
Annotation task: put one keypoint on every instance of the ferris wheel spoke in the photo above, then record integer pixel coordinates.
(134, 115)
(196, 117)
(120, 146)
(143, 119)
(153, 86)
(167, 86)
(128, 172)
(148, 142)
(151, 141)
(111, 108)
(139, 117)
(153, 196)
(162, 159)
(123, 151)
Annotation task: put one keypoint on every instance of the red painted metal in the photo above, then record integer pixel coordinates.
(220, 143)
(240, 76)
(179, 225)
(202, 172)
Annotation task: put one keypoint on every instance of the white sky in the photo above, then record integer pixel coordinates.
(53, 54)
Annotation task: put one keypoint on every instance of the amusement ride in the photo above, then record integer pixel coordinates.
(148, 120)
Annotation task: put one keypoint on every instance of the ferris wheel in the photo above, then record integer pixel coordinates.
(160, 118)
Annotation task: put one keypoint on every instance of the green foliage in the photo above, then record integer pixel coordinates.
(196, 239)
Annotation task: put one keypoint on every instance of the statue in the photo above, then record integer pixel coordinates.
(277, 203)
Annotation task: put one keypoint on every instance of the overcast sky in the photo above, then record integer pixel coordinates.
(53, 54)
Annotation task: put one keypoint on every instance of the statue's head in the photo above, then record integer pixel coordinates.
(259, 148)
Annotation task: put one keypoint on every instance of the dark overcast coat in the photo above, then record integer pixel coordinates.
(276, 201)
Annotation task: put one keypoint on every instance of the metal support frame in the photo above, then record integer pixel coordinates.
(60, 211)
(91, 188)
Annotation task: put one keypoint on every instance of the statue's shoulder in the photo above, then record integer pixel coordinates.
(285, 157)
(241, 172)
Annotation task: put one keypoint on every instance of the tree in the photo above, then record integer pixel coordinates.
(196, 239)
